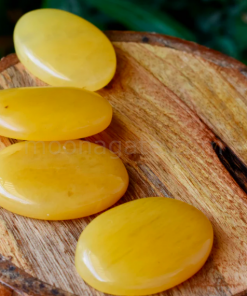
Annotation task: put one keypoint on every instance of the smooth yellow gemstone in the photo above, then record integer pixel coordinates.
(63, 49)
(60, 180)
(52, 114)
(144, 246)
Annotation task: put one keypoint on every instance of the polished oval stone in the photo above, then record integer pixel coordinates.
(52, 113)
(60, 180)
(63, 49)
(144, 246)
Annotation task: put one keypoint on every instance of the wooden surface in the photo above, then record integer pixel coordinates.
(180, 127)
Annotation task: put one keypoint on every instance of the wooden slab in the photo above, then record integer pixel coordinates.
(180, 127)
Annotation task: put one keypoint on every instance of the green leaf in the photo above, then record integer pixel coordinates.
(209, 20)
(226, 45)
(136, 17)
(240, 33)
(84, 10)
(73, 6)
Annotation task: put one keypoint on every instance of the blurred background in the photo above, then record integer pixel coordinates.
(219, 24)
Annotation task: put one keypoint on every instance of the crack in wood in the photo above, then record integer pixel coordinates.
(18, 280)
(236, 168)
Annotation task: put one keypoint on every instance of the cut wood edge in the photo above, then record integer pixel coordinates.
(159, 40)
(8, 61)
(178, 44)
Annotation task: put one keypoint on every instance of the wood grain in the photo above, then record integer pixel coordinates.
(179, 126)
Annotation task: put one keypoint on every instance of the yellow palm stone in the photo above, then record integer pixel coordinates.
(63, 49)
(52, 113)
(60, 180)
(144, 246)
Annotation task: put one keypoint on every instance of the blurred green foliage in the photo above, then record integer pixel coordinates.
(219, 24)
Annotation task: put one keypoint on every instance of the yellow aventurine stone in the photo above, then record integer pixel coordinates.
(63, 49)
(60, 180)
(144, 247)
(52, 114)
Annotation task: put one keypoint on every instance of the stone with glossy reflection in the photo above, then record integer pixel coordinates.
(144, 247)
(63, 49)
(52, 113)
(60, 180)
